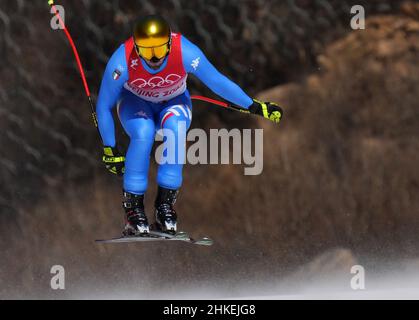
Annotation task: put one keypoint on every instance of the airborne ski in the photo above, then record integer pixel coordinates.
(159, 236)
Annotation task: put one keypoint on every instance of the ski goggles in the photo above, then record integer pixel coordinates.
(155, 51)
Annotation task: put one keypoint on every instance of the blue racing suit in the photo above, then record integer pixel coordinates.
(141, 119)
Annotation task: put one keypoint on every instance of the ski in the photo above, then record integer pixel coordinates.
(182, 236)
(159, 236)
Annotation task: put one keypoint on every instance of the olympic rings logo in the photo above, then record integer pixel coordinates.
(157, 82)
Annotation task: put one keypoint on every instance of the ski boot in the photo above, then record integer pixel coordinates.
(136, 219)
(166, 217)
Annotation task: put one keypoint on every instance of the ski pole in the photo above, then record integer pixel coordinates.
(220, 103)
(76, 55)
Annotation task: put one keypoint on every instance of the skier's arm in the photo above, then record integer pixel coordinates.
(114, 77)
(195, 62)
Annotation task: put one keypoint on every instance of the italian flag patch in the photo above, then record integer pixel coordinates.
(116, 74)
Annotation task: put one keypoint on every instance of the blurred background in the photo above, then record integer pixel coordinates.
(340, 175)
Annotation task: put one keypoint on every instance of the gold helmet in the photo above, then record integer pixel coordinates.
(152, 37)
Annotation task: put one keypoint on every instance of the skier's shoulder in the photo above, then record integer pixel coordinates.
(119, 54)
(188, 47)
(118, 59)
(191, 54)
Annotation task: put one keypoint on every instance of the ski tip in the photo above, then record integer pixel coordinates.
(182, 235)
(205, 242)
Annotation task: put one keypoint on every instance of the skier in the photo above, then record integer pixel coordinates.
(146, 79)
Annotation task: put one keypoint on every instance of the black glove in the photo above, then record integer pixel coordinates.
(268, 110)
(113, 160)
